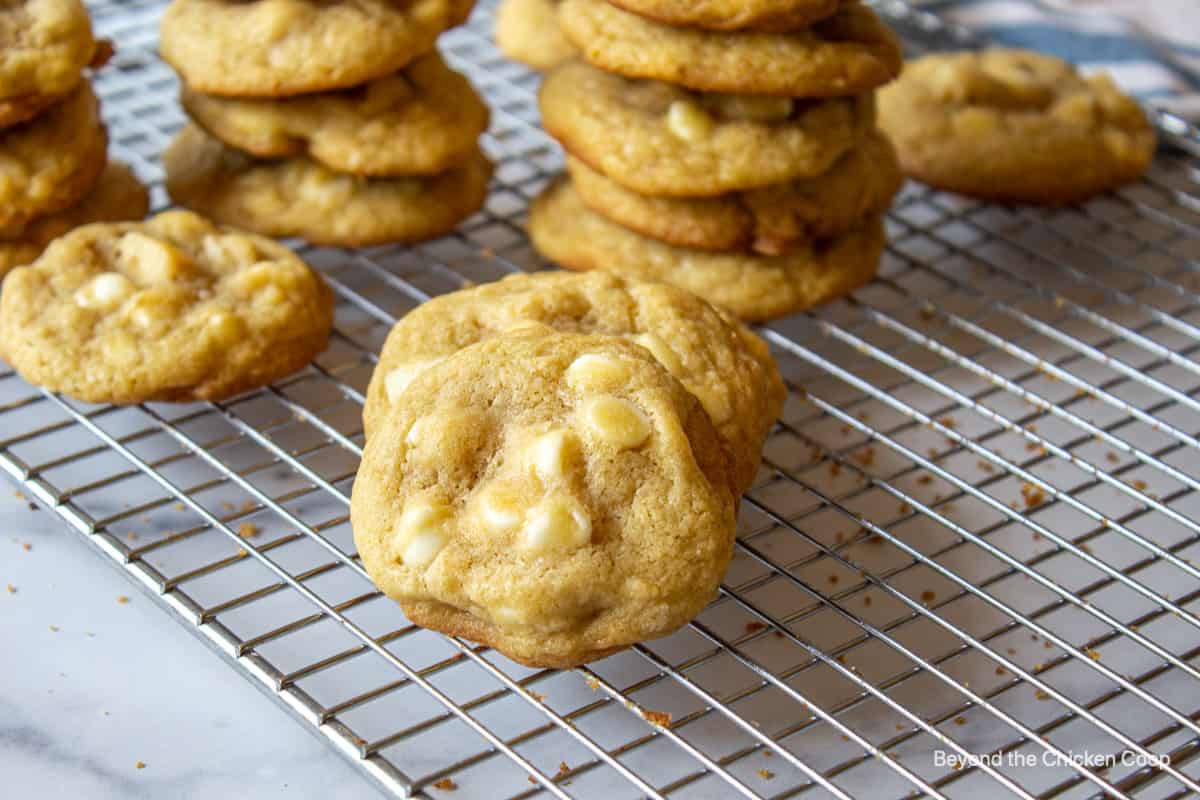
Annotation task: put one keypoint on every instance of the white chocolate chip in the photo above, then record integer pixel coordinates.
(508, 617)
(552, 454)
(661, 351)
(420, 533)
(398, 379)
(152, 260)
(715, 402)
(105, 291)
(558, 523)
(229, 252)
(224, 325)
(501, 506)
(423, 548)
(688, 121)
(597, 372)
(417, 432)
(616, 422)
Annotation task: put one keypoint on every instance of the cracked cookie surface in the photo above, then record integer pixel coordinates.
(556, 496)
(714, 356)
(1014, 126)
(173, 308)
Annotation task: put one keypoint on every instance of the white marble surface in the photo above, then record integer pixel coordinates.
(90, 686)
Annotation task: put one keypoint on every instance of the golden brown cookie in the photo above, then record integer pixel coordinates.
(848, 53)
(118, 196)
(733, 15)
(273, 48)
(753, 287)
(44, 46)
(771, 220)
(556, 496)
(527, 31)
(1013, 126)
(49, 163)
(173, 308)
(299, 197)
(422, 120)
(715, 357)
(660, 139)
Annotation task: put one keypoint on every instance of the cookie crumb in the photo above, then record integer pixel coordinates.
(592, 683)
(26, 546)
(960, 720)
(541, 698)
(1112, 457)
(659, 718)
(928, 596)
(563, 770)
(866, 599)
(11, 589)
(445, 784)
(925, 480)
(755, 626)
(140, 765)
(1033, 495)
(1094, 655)
(1001, 671)
(19, 495)
(1139, 485)
(247, 530)
(55, 629)
(122, 599)
(766, 774)
(1040, 695)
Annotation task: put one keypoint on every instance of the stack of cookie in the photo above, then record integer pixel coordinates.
(728, 147)
(337, 123)
(554, 461)
(54, 170)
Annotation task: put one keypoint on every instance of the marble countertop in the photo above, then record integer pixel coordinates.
(95, 679)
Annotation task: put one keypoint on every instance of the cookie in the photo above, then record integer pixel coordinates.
(173, 308)
(44, 46)
(1013, 126)
(732, 15)
(273, 48)
(299, 197)
(772, 220)
(527, 31)
(558, 497)
(116, 197)
(49, 163)
(422, 120)
(848, 53)
(661, 139)
(753, 287)
(714, 356)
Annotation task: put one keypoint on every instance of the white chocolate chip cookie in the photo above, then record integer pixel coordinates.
(278, 48)
(48, 164)
(173, 308)
(713, 355)
(558, 497)
(44, 46)
(1013, 126)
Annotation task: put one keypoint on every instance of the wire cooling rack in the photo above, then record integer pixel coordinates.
(974, 533)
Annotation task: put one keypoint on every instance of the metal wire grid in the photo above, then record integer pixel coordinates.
(973, 531)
